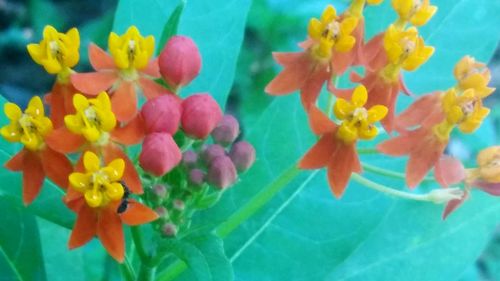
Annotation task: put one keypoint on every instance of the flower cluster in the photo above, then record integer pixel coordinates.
(336, 42)
(98, 116)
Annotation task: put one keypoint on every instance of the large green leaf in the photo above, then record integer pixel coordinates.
(20, 250)
(309, 235)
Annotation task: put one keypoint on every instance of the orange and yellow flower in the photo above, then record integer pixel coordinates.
(95, 194)
(36, 160)
(129, 66)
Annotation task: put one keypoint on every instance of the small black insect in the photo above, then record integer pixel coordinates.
(124, 203)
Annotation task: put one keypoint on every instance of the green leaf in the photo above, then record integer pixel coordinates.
(171, 26)
(189, 254)
(20, 250)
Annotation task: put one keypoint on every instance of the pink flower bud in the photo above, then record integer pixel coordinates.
(200, 115)
(226, 131)
(243, 155)
(196, 177)
(160, 191)
(159, 154)
(162, 212)
(180, 61)
(162, 114)
(179, 205)
(222, 172)
(211, 152)
(189, 159)
(169, 229)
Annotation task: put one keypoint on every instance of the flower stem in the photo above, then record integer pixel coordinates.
(388, 190)
(139, 245)
(146, 273)
(388, 173)
(127, 270)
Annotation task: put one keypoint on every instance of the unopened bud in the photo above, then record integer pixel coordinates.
(226, 131)
(222, 172)
(200, 115)
(160, 191)
(162, 212)
(179, 205)
(444, 195)
(196, 177)
(211, 152)
(189, 159)
(179, 61)
(162, 114)
(243, 155)
(169, 229)
(159, 154)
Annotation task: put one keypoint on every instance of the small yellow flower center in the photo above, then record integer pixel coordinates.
(131, 51)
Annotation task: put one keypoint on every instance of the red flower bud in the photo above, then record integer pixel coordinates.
(200, 115)
(162, 114)
(180, 61)
(179, 205)
(226, 131)
(196, 177)
(211, 152)
(169, 229)
(159, 154)
(161, 211)
(243, 155)
(160, 191)
(222, 172)
(189, 159)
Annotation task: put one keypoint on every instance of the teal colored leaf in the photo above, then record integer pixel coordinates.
(189, 254)
(20, 250)
(171, 26)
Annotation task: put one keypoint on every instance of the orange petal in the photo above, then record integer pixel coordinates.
(110, 232)
(374, 56)
(151, 89)
(95, 82)
(63, 141)
(293, 76)
(312, 87)
(56, 166)
(359, 34)
(341, 166)
(15, 163)
(400, 145)
(85, 227)
(321, 153)
(130, 175)
(425, 111)
(55, 100)
(319, 122)
(152, 69)
(130, 134)
(74, 200)
(33, 177)
(124, 102)
(422, 158)
(99, 59)
(138, 213)
(342, 61)
(448, 171)
(403, 87)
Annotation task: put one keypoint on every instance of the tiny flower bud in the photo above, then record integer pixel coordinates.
(160, 191)
(444, 195)
(169, 229)
(226, 131)
(159, 154)
(179, 205)
(196, 177)
(211, 152)
(243, 155)
(162, 114)
(180, 61)
(200, 115)
(189, 159)
(222, 172)
(161, 211)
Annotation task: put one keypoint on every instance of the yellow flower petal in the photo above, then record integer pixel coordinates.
(80, 102)
(114, 191)
(377, 113)
(93, 198)
(359, 96)
(79, 181)
(115, 169)
(91, 162)
(12, 111)
(342, 108)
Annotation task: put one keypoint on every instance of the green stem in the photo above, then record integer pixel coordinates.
(146, 272)
(249, 209)
(388, 173)
(387, 190)
(127, 270)
(367, 150)
(139, 245)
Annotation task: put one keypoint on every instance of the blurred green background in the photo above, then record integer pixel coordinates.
(272, 25)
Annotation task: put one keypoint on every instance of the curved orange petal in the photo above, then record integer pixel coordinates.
(448, 171)
(124, 102)
(55, 100)
(400, 145)
(99, 59)
(403, 87)
(320, 123)
(295, 73)
(342, 61)
(425, 111)
(422, 158)
(110, 232)
(56, 166)
(63, 141)
(74, 200)
(359, 34)
(152, 69)
(15, 163)
(33, 177)
(138, 213)
(151, 89)
(374, 56)
(94, 82)
(321, 153)
(130, 175)
(341, 166)
(312, 86)
(130, 134)
(85, 227)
